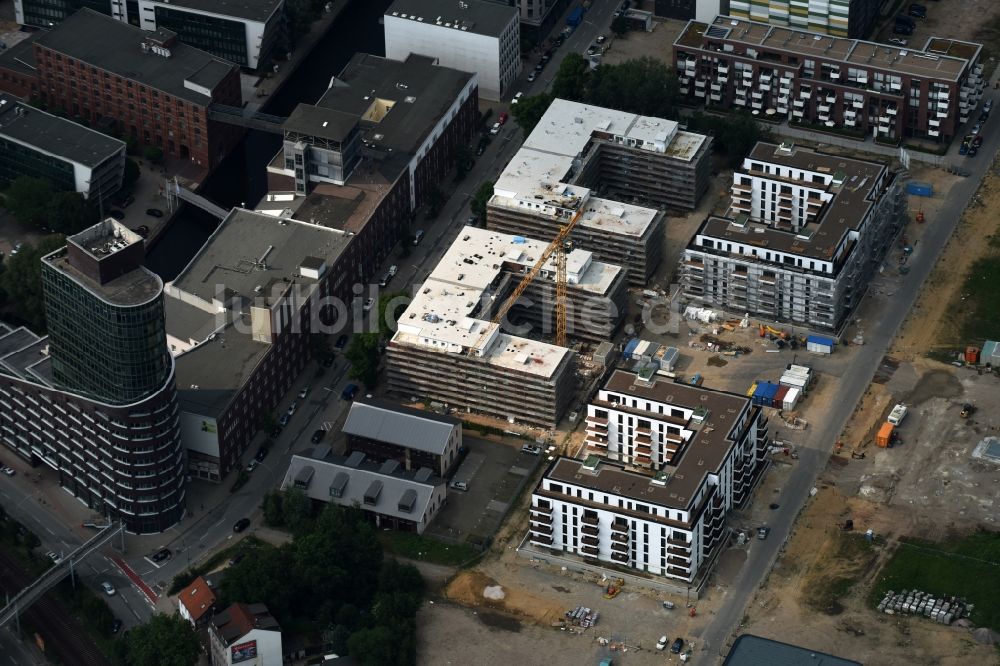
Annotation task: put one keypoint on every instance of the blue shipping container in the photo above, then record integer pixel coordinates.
(765, 393)
(920, 189)
(630, 347)
(575, 17)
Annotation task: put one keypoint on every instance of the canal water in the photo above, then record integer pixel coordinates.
(241, 179)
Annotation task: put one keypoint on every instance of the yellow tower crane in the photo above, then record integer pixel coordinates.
(558, 246)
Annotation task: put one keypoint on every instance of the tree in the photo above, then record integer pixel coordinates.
(21, 281)
(296, 510)
(390, 307)
(28, 199)
(530, 110)
(363, 353)
(273, 508)
(480, 199)
(619, 26)
(131, 174)
(69, 212)
(377, 646)
(154, 154)
(267, 577)
(641, 85)
(166, 640)
(572, 79)
(734, 134)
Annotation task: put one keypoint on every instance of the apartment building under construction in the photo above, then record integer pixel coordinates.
(803, 236)
(576, 148)
(447, 350)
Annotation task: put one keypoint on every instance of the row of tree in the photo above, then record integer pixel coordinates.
(21, 283)
(332, 579)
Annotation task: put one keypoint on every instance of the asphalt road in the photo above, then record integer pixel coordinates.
(852, 385)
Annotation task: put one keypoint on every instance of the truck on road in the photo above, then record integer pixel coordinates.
(575, 17)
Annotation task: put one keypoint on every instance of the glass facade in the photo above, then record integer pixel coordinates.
(116, 353)
(46, 13)
(221, 37)
(17, 159)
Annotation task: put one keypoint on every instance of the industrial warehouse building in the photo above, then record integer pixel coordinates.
(576, 148)
(803, 236)
(667, 462)
(447, 350)
(818, 80)
(471, 36)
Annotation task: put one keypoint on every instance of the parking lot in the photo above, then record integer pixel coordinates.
(493, 471)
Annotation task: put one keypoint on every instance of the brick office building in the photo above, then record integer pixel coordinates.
(831, 82)
(146, 85)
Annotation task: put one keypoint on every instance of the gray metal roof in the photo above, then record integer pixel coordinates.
(54, 135)
(189, 323)
(401, 426)
(21, 56)
(103, 42)
(355, 483)
(483, 18)
(750, 650)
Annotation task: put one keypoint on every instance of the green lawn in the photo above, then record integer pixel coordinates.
(982, 320)
(969, 567)
(416, 547)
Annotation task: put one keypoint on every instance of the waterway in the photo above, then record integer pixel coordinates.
(241, 178)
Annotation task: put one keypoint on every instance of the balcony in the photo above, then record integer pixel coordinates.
(700, 83)
(699, 93)
(933, 122)
(620, 528)
(799, 104)
(541, 529)
(715, 97)
(858, 104)
(619, 557)
(591, 530)
(805, 94)
(590, 551)
(590, 520)
(540, 539)
(933, 133)
(891, 110)
(590, 540)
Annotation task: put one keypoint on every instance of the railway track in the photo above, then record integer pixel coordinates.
(61, 632)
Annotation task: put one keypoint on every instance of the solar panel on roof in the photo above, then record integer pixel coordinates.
(716, 31)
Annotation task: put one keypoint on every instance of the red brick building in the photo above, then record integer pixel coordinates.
(146, 85)
(18, 75)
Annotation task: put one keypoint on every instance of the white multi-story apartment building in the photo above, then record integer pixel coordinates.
(469, 35)
(803, 235)
(668, 462)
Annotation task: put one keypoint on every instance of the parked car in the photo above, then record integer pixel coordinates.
(116, 626)
(988, 106)
(293, 407)
(241, 525)
(661, 644)
(116, 214)
(142, 230)
(318, 436)
(283, 421)
(393, 270)
(127, 201)
(154, 212)
(976, 129)
(304, 392)
(54, 556)
(9, 471)
(762, 532)
(262, 453)
(898, 41)
(532, 76)
(502, 118)
(495, 129)
(108, 588)
(902, 29)
(161, 555)
(384, 280)
(275, 431)
(328, 362)
(531, 449)
(919, 11)
(517, 98)
(341, 342)
(236, 559)
(677, 646)
(252, 466)
(418, 236)
(601, 39)
(973, 150)
(18, 246)
(978, 141)
(963, 149)
(349, 392)
(369, 304)
(459, 485)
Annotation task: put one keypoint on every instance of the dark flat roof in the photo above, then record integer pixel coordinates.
(750, 650)
(55, 135)
(483, 18)
(851, 202)
(703, 454)
(253, 10)
(420, 92)
(321, 122)
(103, 42)
(133, 288)
(210, 375)
(21, 56)
(231, 257)
(187, 322)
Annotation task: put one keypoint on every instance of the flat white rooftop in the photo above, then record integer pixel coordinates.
(472, 269)
(532, 182)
